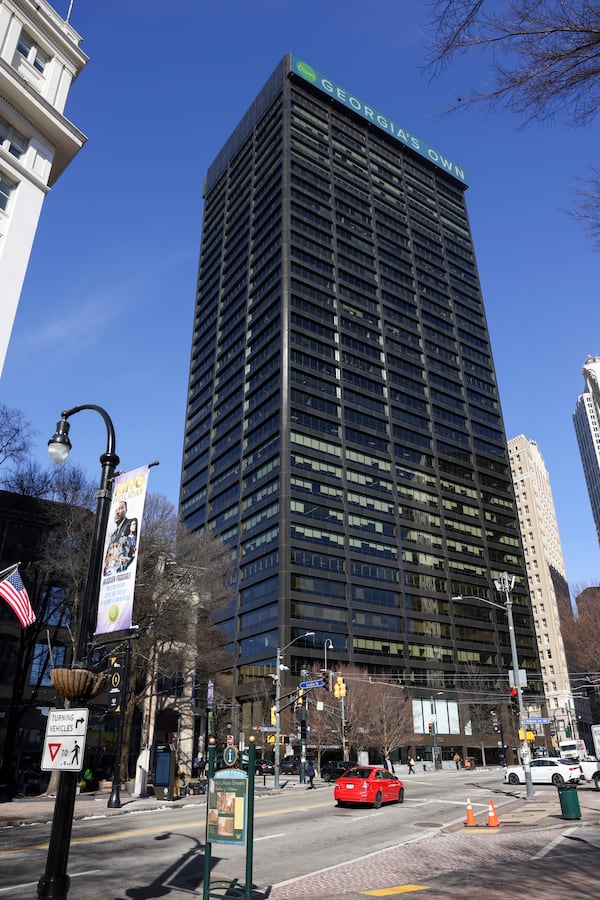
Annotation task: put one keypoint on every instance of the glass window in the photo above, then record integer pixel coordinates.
(6, 189)
(12, 140)
(28, 49)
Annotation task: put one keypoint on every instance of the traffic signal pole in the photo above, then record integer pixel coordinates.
(339, 691)
(506, 584)
(303, 675)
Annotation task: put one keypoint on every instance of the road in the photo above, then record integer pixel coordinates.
(296, 833)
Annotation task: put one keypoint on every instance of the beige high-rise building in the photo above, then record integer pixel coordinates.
(546, 574)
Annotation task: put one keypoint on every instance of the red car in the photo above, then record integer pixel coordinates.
(368, 784)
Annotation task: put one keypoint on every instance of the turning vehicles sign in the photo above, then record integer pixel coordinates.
(64, 744)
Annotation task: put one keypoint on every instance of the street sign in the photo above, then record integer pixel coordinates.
(522, 678)
(536, 720)
(267, 728)
(311, 684)
(64, 743)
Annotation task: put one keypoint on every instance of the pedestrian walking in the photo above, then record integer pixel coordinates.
(411, 766)
(457, 760)
(310, 774)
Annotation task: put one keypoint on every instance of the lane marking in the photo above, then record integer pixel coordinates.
(403, 889)
(26, 884)
(113, 836)
(269, 837)
(362, 818)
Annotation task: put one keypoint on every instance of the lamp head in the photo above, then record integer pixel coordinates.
(59, 445)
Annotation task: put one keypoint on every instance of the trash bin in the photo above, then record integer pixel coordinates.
(470, 762)
(569, 801)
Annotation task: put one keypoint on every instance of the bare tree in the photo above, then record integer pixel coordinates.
(15, 435)
(324, 718)
(588, 205)
(580, 632)
(181, 579)
(390, 723)
(544, 58)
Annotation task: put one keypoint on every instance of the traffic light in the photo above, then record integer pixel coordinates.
(430, 728)
(325, 675)
(339, 688)
(514, 701)
(300, 696)
(496, 728)
(273, 715)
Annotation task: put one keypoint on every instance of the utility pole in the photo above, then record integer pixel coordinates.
(303, 674)
(279, 670)
(433, 735)
(504, 585)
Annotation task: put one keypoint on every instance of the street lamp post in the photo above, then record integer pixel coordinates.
(328, 645)
(504, 585)
(55, 882)
(280, 667)
(433, 735)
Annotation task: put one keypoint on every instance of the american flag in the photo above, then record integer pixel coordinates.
(15, 593)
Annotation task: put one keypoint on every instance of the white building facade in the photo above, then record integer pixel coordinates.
(586, 419)
(40, 57)
(546, 575)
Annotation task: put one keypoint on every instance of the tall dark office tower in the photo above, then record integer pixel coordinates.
(344, 433)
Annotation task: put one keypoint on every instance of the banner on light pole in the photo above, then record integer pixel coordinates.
(121, 548)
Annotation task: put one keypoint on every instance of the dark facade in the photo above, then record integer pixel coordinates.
(25, 688)
(49, 540)
(344, 433)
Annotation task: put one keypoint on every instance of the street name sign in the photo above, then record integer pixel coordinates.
(64, 743)
(311, 684)
(536, 720)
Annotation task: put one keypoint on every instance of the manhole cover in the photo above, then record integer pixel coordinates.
(428, 824)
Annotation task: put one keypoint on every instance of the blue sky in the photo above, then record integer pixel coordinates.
(106, 311)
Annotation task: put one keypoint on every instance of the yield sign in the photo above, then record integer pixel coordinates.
(53, 750)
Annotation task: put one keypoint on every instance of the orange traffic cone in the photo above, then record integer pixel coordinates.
(470, 817)
(493, 820)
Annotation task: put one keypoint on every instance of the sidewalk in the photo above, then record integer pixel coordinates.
(25, 810)
(533, 853)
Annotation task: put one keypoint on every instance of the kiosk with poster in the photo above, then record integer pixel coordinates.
(229, 817)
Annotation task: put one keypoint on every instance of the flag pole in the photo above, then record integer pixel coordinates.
(5, 572)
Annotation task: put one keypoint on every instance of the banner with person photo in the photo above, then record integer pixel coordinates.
(121, 547)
